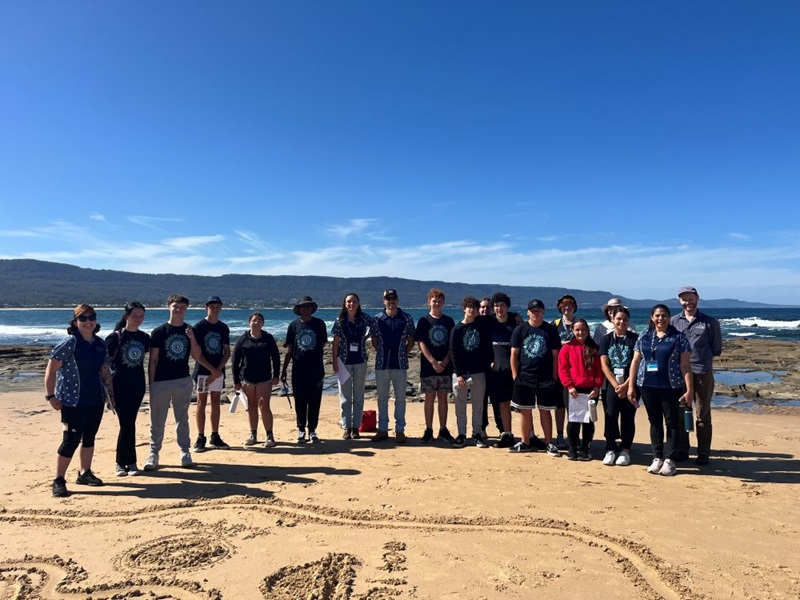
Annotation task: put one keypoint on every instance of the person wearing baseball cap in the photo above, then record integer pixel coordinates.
(534, 367)
(214, 338)
(705, 338)
(392, 335)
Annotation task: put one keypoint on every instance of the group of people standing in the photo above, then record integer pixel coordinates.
(491, 356)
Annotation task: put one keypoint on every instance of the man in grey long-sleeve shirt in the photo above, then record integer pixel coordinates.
(705, 338)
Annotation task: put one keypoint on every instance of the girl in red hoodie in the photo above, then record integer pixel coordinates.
(581, 374)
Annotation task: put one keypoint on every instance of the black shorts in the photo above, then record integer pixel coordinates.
(539, 395)
(501, 387)
(562, 395)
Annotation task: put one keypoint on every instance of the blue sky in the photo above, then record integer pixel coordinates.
(623, 145)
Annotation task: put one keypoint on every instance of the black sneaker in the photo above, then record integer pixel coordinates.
(584, 455)
(444, 435)
(521, 447)
(537, 443)
(506, 441)
(479, 441)
(702, 460)
(88, 478)
(572, 454)
(200, 444)
(252, 440)
(216, 442)
(552, 450)
(460, 439)
(60, 488)
(354, 435)
(427, 437)
(681, 455)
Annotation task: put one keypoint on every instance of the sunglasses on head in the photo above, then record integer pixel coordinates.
(84, 318)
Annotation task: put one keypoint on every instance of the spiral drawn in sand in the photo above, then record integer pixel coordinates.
(175, 553)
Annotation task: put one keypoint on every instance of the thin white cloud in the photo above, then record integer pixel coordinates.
(352, 227)
(739, 236)
(152, 222)
(97, 217)
(192, 241)
(21, 233)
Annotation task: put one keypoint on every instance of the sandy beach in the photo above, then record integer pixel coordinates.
(353, 519)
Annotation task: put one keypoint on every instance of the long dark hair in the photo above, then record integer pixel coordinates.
(343, 312)
(128, 310)
(651, 324)
(590, 348)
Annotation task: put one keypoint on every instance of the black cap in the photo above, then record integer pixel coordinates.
(213, 300)
(535, 304)
(390, 293)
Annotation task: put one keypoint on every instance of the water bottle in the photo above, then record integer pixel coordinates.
(593, 410)
(688, 419)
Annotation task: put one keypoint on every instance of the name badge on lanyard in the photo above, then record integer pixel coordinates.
(652, 366)
(354, 347)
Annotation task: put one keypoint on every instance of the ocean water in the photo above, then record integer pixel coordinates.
(48, 326)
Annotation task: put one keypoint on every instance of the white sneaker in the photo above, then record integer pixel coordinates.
(151, 464)
(186, 459)
(624, 459)
(655, 466)
(121, 471)
(133, 470)
(668, 469)
(609, 458)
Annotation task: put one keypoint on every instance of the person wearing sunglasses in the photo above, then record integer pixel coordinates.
(78, 382)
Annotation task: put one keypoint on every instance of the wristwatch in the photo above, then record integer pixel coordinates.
(49, 397)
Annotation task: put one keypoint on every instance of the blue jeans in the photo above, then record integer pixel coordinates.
(397, 377)
(351, 396)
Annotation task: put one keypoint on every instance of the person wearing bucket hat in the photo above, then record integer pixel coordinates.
(705, 338)
(214, 338)
(606, 327)
(305, 341)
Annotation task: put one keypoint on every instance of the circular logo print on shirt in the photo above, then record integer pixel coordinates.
(213, 343)
(534, 346)
(306, 340)
(438, 335)
(619, 355)
(132, 354)
(472, 339)
(177, 346)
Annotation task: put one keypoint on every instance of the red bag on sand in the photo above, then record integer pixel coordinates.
(369, 421)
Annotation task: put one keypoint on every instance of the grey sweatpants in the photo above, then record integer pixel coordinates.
(179, 392)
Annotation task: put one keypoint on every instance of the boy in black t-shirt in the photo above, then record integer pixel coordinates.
(171, 344)
(534, 363)
(435, 368)
(214, 339)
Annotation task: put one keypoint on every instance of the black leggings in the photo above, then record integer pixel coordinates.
(82, 425)
(620, 422)
(574, 432)
(307, 401)
(128, 401)
(662, 411)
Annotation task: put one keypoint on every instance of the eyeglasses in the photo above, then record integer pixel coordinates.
(84, 318)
